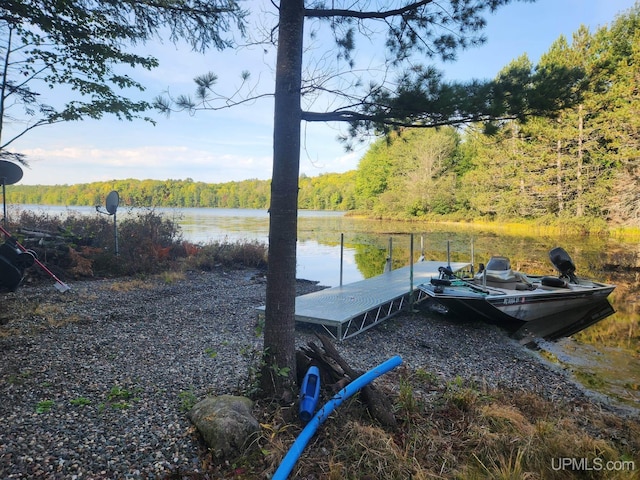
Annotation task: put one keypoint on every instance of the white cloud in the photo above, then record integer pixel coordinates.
(82, 165)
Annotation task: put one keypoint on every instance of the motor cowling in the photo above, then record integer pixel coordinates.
(563, 263)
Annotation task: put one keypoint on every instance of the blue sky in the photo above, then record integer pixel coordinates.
(235, 144)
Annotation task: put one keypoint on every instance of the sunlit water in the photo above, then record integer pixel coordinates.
(606, 356)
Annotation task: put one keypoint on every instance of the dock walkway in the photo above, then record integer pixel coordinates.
(347, 310)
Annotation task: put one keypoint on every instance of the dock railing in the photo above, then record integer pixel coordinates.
(347, 310)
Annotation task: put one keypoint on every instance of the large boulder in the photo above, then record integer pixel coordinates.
(226, 423)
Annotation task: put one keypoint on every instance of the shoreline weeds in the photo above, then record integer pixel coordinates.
(92, 381)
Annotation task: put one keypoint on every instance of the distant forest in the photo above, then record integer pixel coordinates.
(581, 166)
(326, 192)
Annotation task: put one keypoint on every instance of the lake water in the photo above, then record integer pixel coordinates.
(605, 356)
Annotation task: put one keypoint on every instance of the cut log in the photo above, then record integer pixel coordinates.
(337, 373)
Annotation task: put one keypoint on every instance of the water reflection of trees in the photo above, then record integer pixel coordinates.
(370, 259)
(600, 258)
(622, 329)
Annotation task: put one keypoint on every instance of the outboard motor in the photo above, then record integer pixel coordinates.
(563, 263)
(13, 263)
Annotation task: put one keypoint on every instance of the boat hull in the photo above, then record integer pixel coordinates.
(545, 311)
(572, 321)
(533, 307)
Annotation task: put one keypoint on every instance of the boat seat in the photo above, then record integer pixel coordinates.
(500, 275)
(498, 279)
(499, 264)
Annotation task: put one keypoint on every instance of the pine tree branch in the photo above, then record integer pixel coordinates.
(329, 13)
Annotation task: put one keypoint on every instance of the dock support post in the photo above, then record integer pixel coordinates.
(341, 255)
(473, 257)
(411, 299)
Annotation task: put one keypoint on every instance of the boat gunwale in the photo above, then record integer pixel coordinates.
(492, 292)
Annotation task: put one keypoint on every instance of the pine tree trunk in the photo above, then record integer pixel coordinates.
(559, 195)
(579, 186)
(279, 332)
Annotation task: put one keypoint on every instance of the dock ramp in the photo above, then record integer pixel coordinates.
(350, 309)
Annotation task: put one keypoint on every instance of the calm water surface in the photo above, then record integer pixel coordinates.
(605, 356)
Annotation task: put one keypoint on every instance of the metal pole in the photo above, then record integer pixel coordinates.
(341, 255)
(4, 203)
(115, 234)
(473, 257)
(449, 253)
(411, 271)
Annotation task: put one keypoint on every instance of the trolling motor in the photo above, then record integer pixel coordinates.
(445, 274)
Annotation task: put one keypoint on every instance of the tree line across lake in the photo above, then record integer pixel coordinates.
(580, 166)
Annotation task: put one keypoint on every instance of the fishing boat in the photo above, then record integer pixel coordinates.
(530, 306)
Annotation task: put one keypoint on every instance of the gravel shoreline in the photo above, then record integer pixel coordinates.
(92, 381)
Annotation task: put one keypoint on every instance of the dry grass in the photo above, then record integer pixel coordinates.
(37, 312)
(131, 284)
(55, 314)
(451, 434)
(249, 253)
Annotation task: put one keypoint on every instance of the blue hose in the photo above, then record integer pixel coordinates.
(296, 449)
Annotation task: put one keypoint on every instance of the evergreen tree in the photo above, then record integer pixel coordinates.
(614, 119)
(81, 46)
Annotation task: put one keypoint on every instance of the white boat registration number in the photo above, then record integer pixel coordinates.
(513, 301)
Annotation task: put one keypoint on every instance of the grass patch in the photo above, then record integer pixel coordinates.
(211, 352)
(80, 401)
(121, 398)
(589, 379)
(171, 276)
(44, 406)
(131, 284)
(187, 400)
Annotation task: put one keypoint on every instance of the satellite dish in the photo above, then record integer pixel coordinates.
(10, 173)
(113, 200)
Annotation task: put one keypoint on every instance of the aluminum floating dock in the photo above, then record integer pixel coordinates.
(350, 309)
